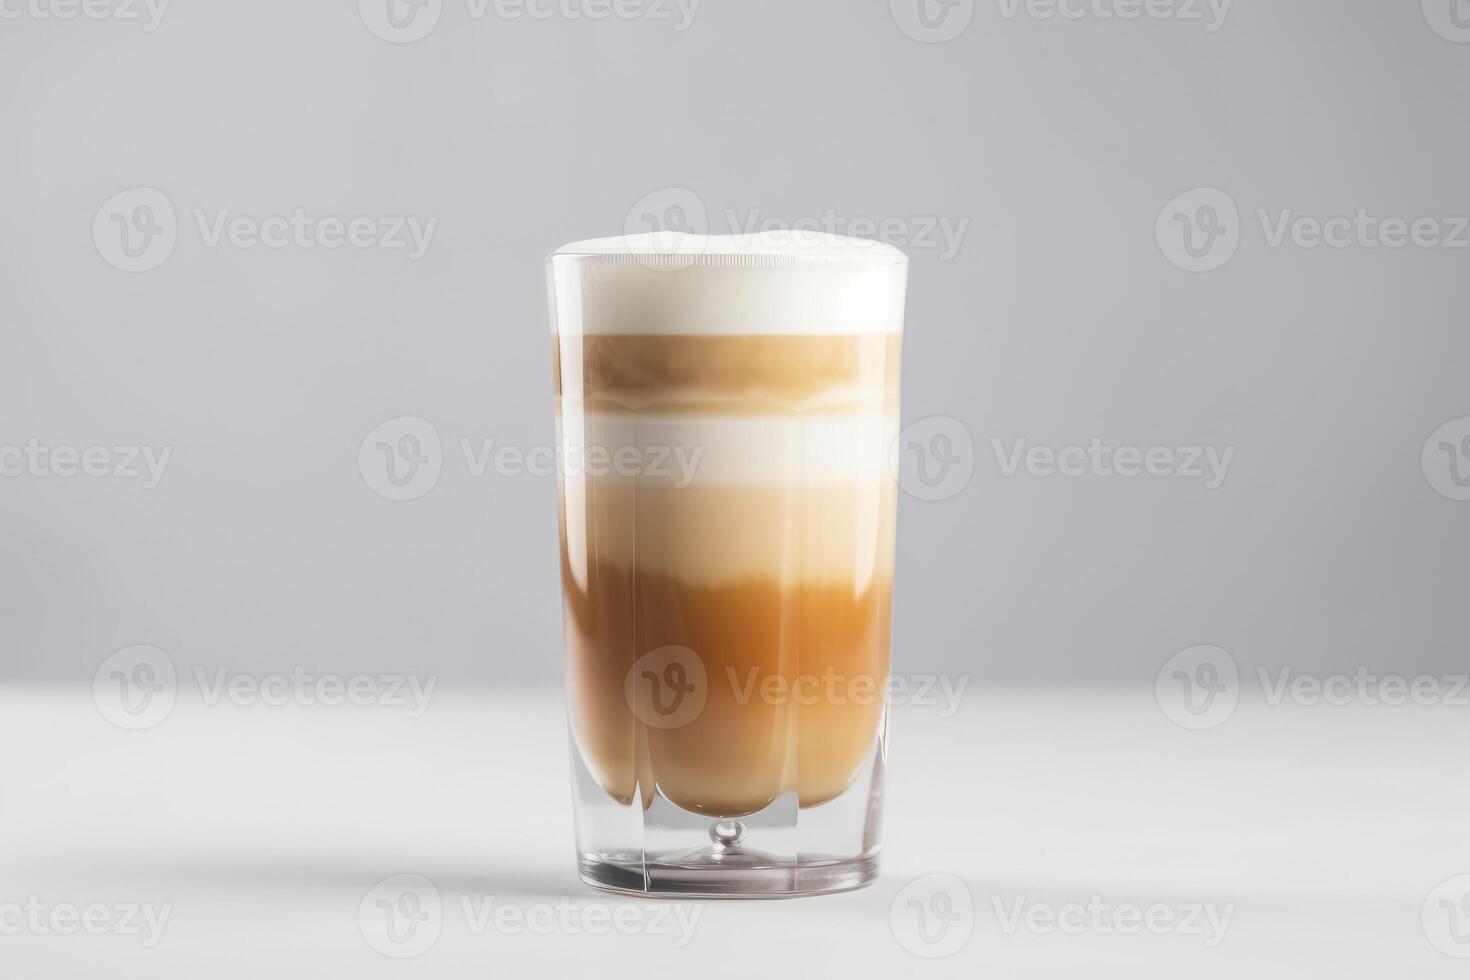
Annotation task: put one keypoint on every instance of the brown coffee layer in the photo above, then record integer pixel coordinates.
(781, 597)
(790, 678)
(705, 374)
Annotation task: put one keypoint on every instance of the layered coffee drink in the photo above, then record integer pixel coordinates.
(727, 411)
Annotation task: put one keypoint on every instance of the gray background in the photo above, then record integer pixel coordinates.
(1059, 320)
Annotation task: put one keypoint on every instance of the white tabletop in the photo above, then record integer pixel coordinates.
(1290, 841)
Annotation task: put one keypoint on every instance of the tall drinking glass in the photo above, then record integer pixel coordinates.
(727, 409)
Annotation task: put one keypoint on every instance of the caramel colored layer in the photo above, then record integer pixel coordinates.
(783, 594)
(789, 676)
(728, 374)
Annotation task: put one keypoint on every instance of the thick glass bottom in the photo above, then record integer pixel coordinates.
(725, 874)
(783, 850)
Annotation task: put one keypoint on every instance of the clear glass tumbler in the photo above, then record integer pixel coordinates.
(727, 410)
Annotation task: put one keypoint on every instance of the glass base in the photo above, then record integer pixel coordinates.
(723, 873)
(783, 850)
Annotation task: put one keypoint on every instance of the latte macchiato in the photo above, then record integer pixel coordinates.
(727, 548)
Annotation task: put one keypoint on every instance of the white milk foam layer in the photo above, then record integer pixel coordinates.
(742, 451)
(790, 282)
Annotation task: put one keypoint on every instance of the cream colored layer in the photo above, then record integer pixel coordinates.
(723, 450)
(714, 535)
